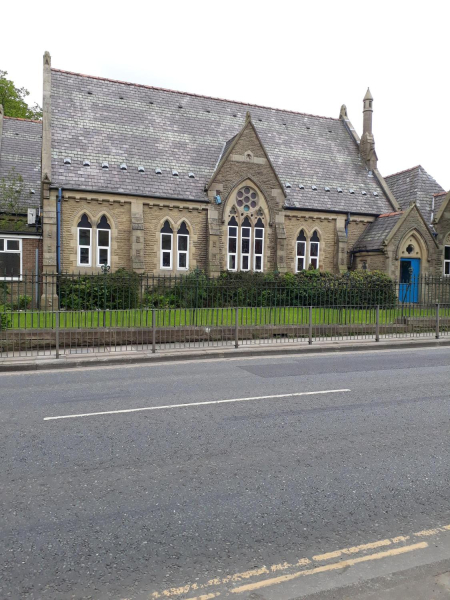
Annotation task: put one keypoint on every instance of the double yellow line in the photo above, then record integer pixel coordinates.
(303, 562)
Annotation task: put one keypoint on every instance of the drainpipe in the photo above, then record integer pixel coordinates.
(347, 221)
(58, 231)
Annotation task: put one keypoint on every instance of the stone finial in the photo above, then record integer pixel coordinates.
(367, 112)
(367, 145)
(47, 59)
(248, 116)
(368, 95)
(343, 114)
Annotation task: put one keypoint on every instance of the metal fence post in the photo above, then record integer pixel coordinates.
(310, 325)
(236, 328)
(57, 333)
(437, 320)
(153, 331)
(377, 324)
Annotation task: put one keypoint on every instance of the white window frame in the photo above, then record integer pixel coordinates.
(311, 258)
(255, 229)
(6, 251)
(446, 261)
(180, 252)
(161, 234)
(108, 248)
(249, 253)
(297, 255)
(80, 246)
(235, 254)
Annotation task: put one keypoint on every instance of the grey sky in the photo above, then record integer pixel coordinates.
(308, 57)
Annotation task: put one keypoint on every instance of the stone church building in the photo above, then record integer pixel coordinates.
(158, 181)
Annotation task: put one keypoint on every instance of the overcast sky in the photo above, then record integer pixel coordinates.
(305, 56)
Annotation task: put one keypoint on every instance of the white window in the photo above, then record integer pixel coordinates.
(84, 242)
(258, 246)
(166, 246)
(10, 258)
(183, 247)
(232, 244)
(300, 252)
(314, 245)
(246, 232)
(103, 242)
(446, 260)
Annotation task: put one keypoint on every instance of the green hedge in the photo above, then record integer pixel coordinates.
(307, 288)
(107, 291)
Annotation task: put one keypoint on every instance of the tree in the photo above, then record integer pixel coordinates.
(11, 189)
(13, 100)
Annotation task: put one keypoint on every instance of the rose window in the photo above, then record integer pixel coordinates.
(247, 198)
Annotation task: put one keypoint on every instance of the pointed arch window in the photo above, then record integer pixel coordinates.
(300, 252)
(183, 247)
(103, 242)
(258, 246)
(232, 244)
(447, 258)
(246, 234)
(166, 246)
(84, 238)
(314, 250)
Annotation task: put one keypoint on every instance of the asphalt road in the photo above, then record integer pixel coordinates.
(131, 504)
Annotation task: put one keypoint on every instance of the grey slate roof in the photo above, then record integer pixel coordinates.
(415, 185)
(375, 234)
(103, 120)
(438, 200)
(21, 148)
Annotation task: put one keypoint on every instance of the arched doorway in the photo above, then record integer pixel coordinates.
(412, 252)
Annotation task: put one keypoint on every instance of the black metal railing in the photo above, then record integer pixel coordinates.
(55, 333)
(131, 291)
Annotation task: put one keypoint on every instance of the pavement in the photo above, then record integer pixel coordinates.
(89, 357)
(316, 476)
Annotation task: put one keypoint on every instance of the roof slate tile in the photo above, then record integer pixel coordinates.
(101, 127)
(21, 149)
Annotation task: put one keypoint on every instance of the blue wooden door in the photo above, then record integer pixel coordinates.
(409, 279)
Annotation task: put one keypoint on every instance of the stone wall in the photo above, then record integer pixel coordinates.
(247, 164)
(135, 231)
(375, 261)
(324, 224)
(195, 217)
(412, 230)
(443, 238)
(118, 213)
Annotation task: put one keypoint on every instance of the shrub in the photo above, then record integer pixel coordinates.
(21, 303)
(106, 291)
(307, 288)
(5, 319)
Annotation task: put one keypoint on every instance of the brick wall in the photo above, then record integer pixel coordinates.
(29, 247)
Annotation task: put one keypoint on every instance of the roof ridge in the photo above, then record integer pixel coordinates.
(404, 171)
(22, 119)
(391, 214)
(160, 89)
